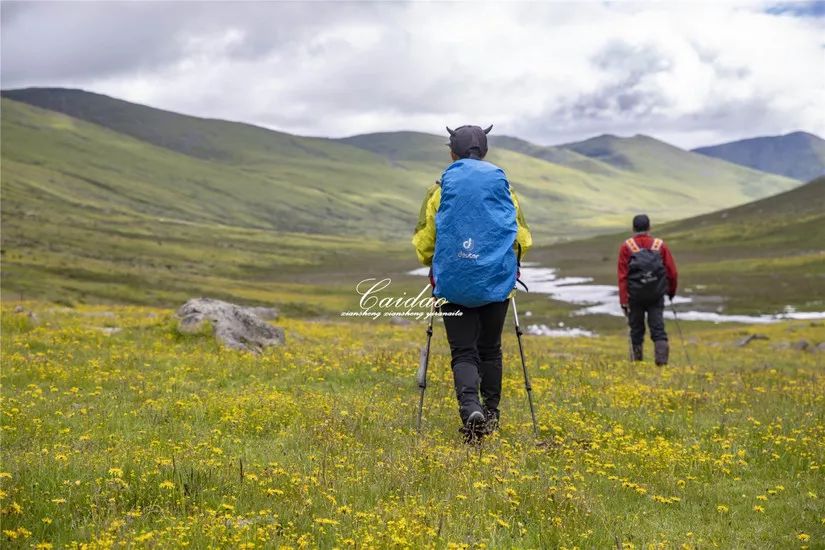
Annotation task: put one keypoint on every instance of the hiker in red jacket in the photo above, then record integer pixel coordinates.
(646, 273)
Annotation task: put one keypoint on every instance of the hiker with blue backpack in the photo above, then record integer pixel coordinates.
(471, 232)
(646, 272)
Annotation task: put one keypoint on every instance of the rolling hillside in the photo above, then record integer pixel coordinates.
(240, 173)
(677, 172)
(328, 186)
(108, 199)
(91, 212)
(798, 155)
(760, 256)
(557, 155)
(594, 188)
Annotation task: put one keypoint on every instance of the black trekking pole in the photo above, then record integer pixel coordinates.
(423, 362)
(527, 385)
(679, 328)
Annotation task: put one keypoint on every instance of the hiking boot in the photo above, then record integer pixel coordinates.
(492, 416)
(661, 352)
(473, 428)
(466, 379)
(637, 352)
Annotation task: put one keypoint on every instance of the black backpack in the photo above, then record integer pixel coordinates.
(646, 275)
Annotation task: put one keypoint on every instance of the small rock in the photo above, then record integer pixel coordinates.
(801, 345)
(820, 347)
(234, 326)
(19, 309)
(750, 338)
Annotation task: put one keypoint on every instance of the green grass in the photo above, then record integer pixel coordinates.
(759, 257)
(149, 439)
(125, 203)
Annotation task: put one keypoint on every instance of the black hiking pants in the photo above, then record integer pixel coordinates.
(475, 345)
(655, 320)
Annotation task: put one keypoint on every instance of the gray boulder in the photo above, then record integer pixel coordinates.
(801, 345)
(236, 327)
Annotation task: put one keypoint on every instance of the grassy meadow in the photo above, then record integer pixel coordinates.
(117, 431)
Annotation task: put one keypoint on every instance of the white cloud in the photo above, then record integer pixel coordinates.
(692, 73)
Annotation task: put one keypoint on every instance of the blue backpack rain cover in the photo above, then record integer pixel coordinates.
(474, 263)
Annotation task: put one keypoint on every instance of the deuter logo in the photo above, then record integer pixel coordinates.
(467, 253)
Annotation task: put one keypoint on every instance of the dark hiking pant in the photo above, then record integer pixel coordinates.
(475, 344)
(655, 320)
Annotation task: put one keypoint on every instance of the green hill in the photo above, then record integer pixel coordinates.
(317, 185)
(244, 174)
(91, 212)
(557, 155)
(798, 155)
(793, 221)
(109, 199)
(677, 172)
(759, 256)
(586, 195)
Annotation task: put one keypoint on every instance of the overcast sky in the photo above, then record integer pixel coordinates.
(691, 73)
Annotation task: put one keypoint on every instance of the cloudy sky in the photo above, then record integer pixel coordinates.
(692, 73)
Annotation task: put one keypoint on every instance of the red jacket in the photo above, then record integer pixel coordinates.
(644, 240)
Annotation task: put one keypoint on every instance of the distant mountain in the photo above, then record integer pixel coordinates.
(677, 172)
(556, 155)
(798, 155)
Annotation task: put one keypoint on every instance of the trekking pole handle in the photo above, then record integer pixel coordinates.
(432, 314)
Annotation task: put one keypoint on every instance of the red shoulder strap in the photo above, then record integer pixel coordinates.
(631, 244)
(657, 244)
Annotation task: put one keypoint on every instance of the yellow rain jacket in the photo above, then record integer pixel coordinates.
(424, 238)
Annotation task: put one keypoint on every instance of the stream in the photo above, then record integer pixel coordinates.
(596, 299)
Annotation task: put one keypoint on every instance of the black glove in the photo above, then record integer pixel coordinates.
(671, 296)
(626, 310)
